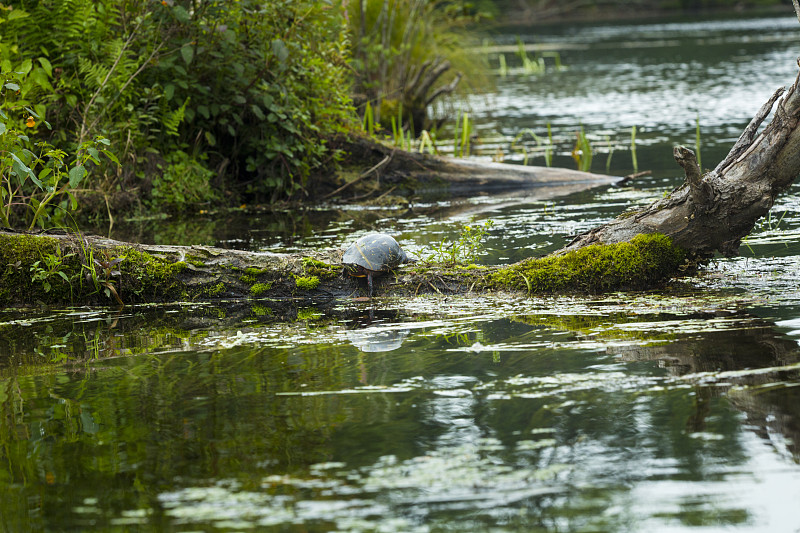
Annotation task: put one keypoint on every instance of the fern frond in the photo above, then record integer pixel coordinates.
(172, 120)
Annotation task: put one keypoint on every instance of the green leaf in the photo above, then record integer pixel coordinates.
(46, 65)
(44, 173)
(169, 91)
(257, 112)
(203, 110)
(12, 86)
(210, 139)
(2, 128)
(187, 52)
(21, 168)
(111, 156)
(280, 50)
(76, 174)
(15, 14)
(103, 140)
(25, 67)
(73, 200)
(94, 154)
(181, 14)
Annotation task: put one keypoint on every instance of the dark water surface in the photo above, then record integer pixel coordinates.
(675, 410)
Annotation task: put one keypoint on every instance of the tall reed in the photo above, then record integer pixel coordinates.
(697, 141)
(582, 153)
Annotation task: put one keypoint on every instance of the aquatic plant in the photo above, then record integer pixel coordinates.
(582, 153)
(529, 65)
(546, 149)
(634, 162)
(465, 248)
(610, 154)
(697, 141)
(461, 136)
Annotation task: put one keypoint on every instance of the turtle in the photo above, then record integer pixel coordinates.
(372, 255)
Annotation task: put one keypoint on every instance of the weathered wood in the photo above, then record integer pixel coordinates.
(712, 212)
(423, 174)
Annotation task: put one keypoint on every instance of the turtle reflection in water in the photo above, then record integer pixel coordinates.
(372, 255)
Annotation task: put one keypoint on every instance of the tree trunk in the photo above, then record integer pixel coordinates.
(712, 212)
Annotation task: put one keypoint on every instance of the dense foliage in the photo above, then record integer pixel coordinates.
(195, 97)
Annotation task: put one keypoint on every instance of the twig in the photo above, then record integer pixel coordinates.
(361, 177)
(630, 177)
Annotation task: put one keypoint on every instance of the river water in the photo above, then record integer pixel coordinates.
(672, 410)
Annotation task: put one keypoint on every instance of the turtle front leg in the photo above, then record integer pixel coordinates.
(369, 283)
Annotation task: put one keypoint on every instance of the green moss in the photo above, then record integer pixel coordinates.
(195, 261)
(307, 283)
(260, 288)
(315, 268)
(216, 290)
(639, 264)
(17, 255)
(308, 314)
(251, 274)
(146, 274)
(260, 310)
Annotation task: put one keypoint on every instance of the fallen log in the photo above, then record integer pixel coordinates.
(713, 212)
(422, 174)
(63, 268)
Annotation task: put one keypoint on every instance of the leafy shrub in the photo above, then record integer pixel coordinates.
(256, 87)
(34, 175)
(183, 181)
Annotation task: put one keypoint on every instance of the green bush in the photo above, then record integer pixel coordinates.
(183, 181)
(250, 90)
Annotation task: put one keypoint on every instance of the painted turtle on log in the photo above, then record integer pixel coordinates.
(372, 255)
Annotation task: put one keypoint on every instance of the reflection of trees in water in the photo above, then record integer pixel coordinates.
(754, 345)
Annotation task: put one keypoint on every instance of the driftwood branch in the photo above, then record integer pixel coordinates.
(712, 213)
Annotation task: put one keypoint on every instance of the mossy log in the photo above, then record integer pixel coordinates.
(62, 268)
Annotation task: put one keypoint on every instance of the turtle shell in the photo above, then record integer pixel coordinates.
(377, 252)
